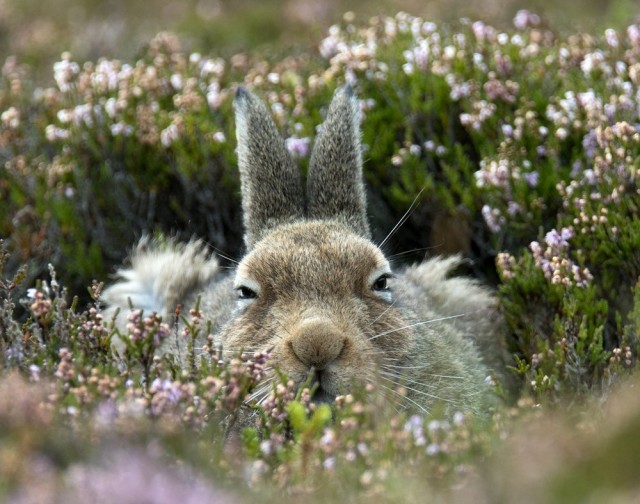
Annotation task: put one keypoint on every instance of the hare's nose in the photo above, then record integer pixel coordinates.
(317, 343)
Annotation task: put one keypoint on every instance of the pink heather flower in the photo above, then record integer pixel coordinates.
(214, 95)
(298, 147)
(513, 208)
(525, 19)
(611, 36)
(633, 32)
(558, 240)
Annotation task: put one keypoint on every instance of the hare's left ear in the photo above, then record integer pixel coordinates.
(271, 184)
(335, 188)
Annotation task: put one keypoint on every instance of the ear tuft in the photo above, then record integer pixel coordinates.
(241, 94)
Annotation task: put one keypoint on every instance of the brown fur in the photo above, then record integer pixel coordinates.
(311, 288)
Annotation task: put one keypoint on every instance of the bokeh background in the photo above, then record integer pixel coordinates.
(39, 31)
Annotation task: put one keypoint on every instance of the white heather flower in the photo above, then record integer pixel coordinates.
(169, 135)
(329, 463)
(432, 449)
(176, 81)
(105, 76)
(219, 137)
(65, 116)
(109, 107)
(591, 61)
(428, 27)
(407, 68)
(450, 53)
(54, 133)
(11, 118)
(517, 40)
(212, 67)
(34, 372)
(429, 146)
(493, 218)
(329, 46)
(121, 128)
(64, 72)
(277, 109)
(611, 36)
(466, 119)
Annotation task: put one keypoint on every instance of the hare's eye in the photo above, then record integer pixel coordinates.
(246, 293)
(381, 284)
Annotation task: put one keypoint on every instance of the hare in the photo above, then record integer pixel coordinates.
(313, 289)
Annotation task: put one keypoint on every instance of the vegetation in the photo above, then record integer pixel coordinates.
(521, 148)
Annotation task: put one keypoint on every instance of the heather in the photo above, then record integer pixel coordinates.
(518, 147)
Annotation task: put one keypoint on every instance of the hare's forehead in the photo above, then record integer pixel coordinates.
(317, 255)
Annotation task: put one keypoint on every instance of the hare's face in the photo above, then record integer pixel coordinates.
(318, 298)
(313, 289)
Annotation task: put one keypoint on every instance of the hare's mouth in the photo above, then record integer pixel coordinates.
(321, 387)
(321, 396)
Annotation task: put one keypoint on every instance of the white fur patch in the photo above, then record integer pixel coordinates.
(160, 277)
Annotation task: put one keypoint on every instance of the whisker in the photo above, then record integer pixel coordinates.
(451, 377)
(421, 392)
(403, 379)
(221, 253)
(403, 219)
(418, 405)
(384, 312)
(264, 387)
(413, 251)
(416, 324)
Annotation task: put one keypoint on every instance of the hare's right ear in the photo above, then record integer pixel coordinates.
(270, 181)
(335, 189)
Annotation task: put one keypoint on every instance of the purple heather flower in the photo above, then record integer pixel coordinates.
(298, 147)
(531, 178)
(633, 32)
(524, 19)
(555, 239)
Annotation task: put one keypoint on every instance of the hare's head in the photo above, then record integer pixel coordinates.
(313, 290)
